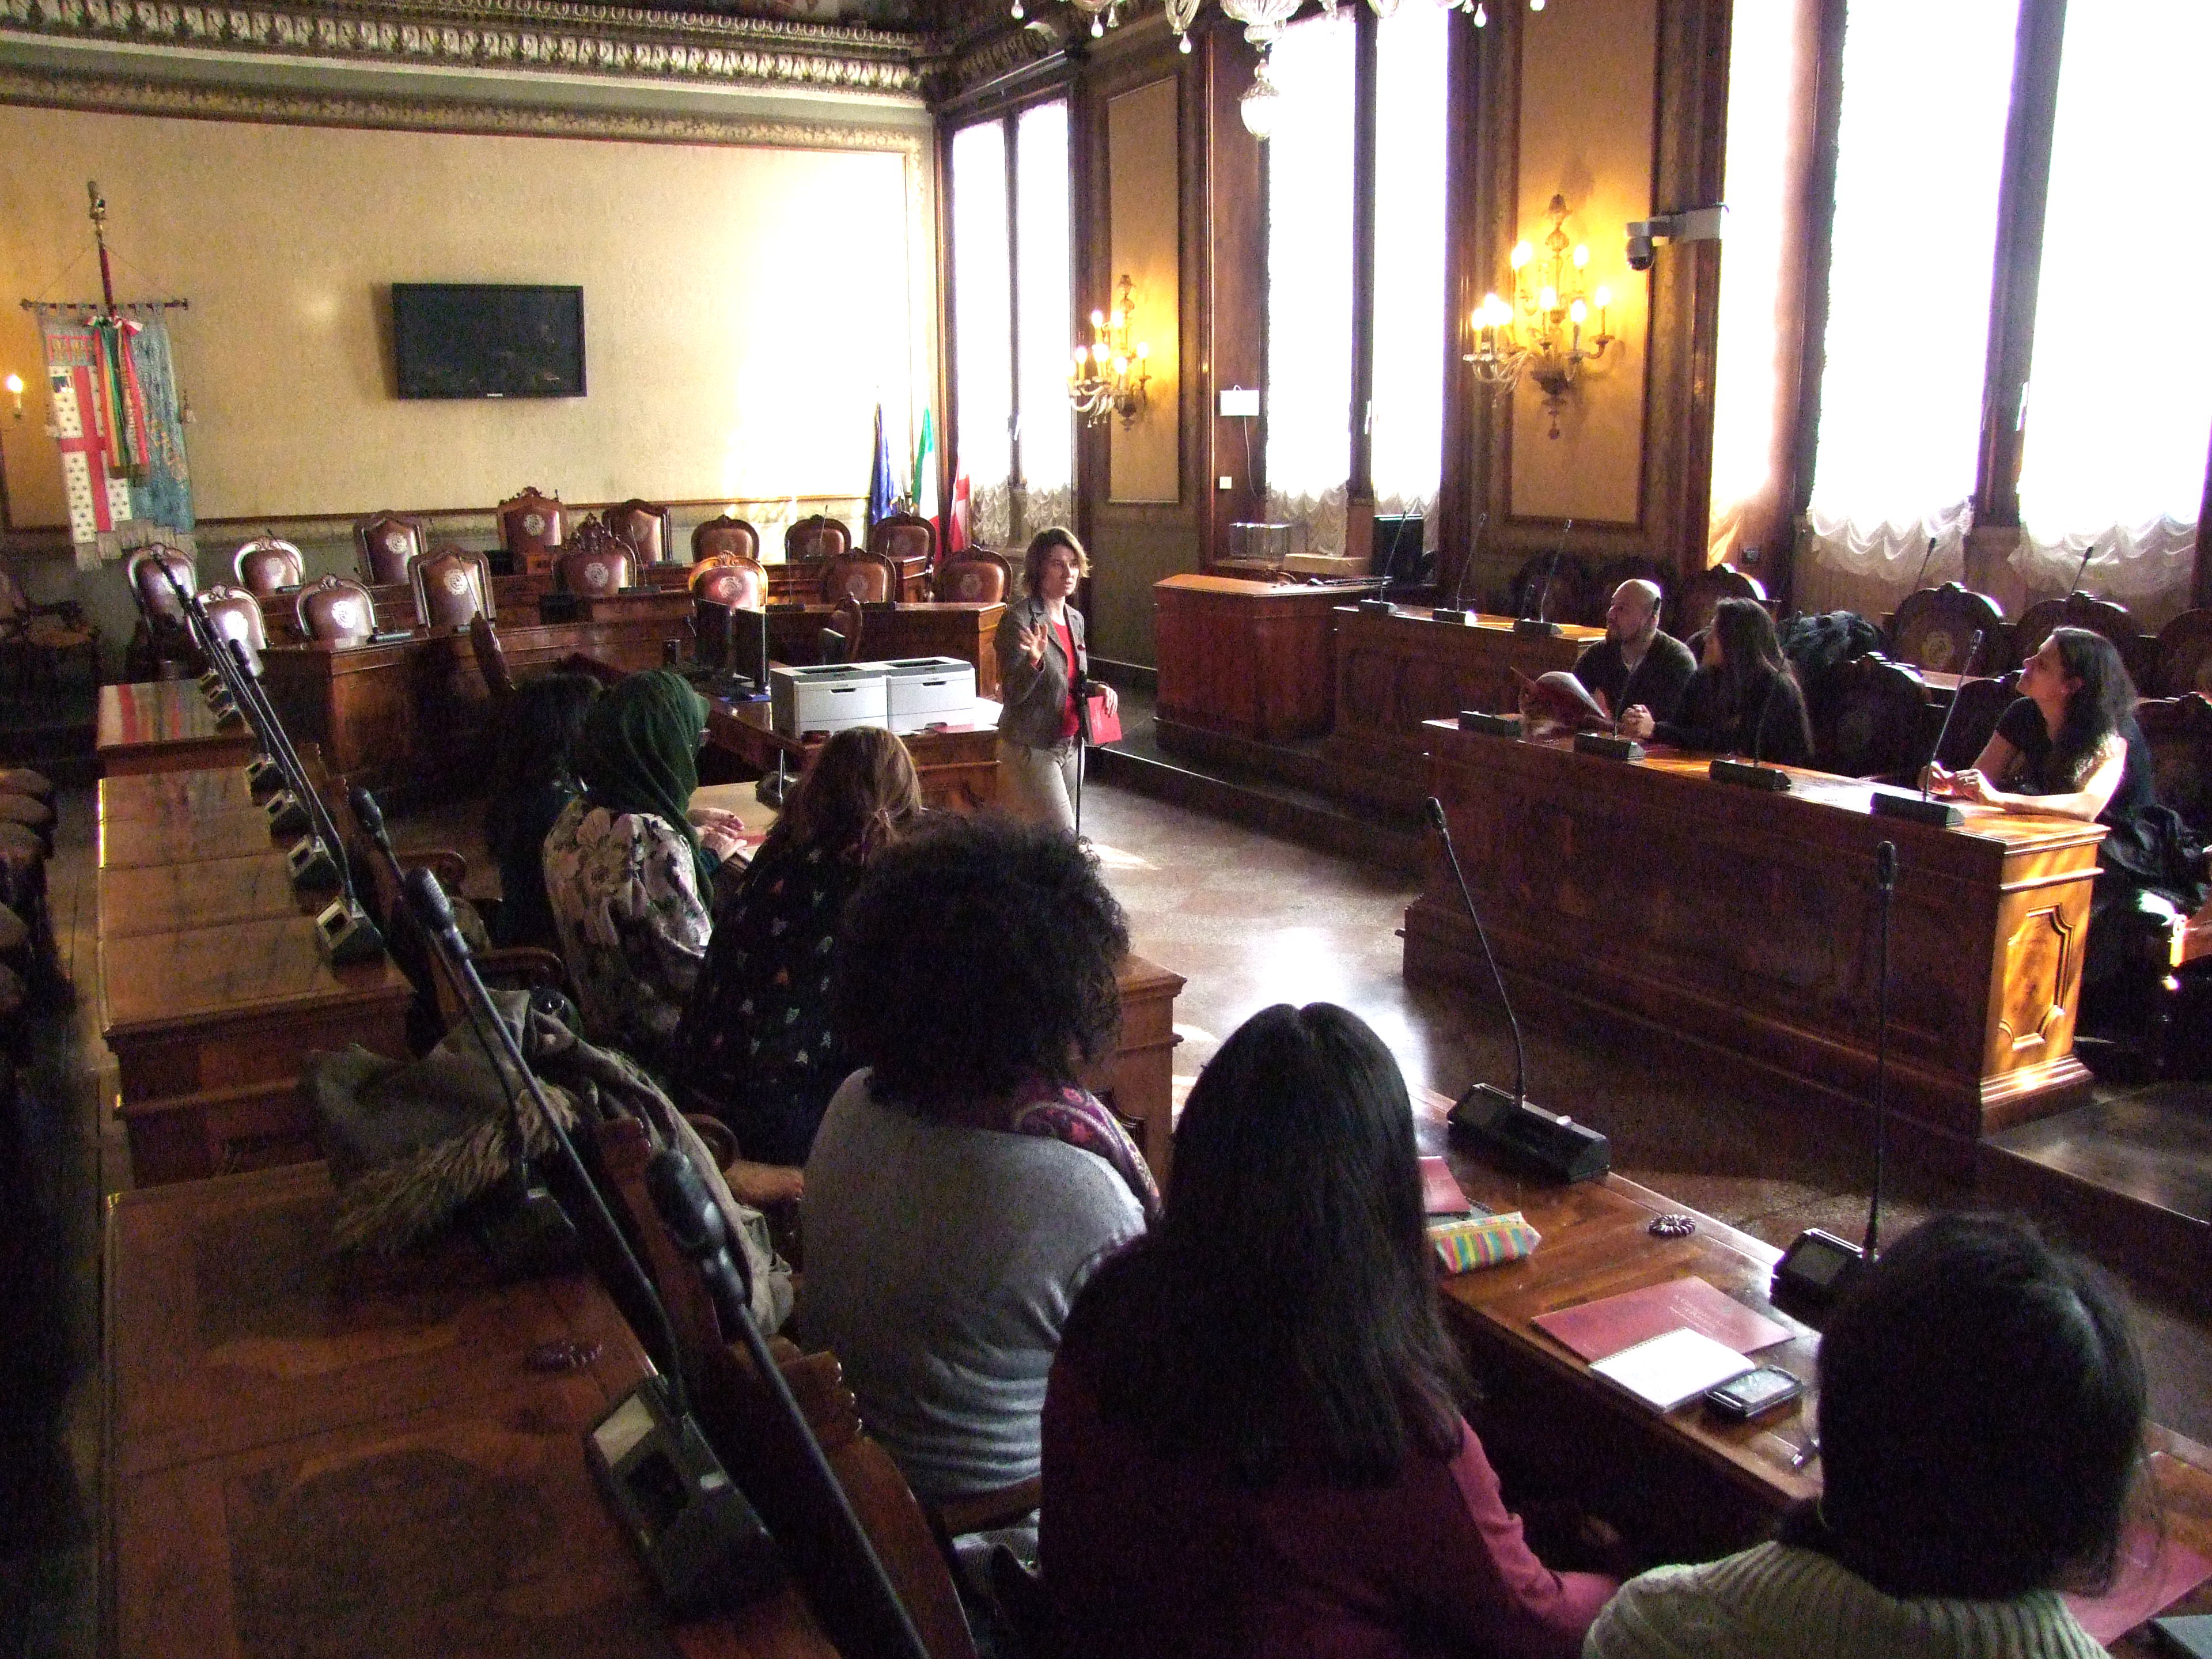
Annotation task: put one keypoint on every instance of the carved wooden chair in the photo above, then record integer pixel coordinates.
(36, 640)
(266, 565)
(730, 579)
(1981, 705)
(335, 610)
(234, 614)
(1566, 598)
(452, 587)
(725, 535)
(910, 544)
(978, 576)
(162, 637)
(1871, 721)
(598, 565)
(1934, 627)
(1701, 593)
(870, 578)
(2114, 622)
(492, 658)
(814, 539)
(647, 531)
(849, 621)
(2184, 657)
(532, 524)
(385, 545)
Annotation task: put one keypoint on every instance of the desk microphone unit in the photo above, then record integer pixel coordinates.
(1925, 808)
(1495, 725)
(1536, 624)
(1456, 613)
(1607, 746)
(1507, 1126)
(1751, 774)
(695, 1533)
(1378, 608)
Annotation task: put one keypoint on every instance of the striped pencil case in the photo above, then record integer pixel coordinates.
(1482, 1241)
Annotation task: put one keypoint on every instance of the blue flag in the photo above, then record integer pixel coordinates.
(879, 479)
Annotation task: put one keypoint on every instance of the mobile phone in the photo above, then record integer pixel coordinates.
(1742, 1397)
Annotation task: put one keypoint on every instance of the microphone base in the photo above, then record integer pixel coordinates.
(288, 814)
(1452, 616)
(1815, 1271)
(1496, 725)
(1916, 809)
(1750, 775)
(345, 935)
(528, 1236)
(1378, 608)
(310, 866)
(1535, 625)
(264, 777)
(1527, 1138)
(1607, 748)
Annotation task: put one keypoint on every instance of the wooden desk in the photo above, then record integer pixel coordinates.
(1251, 658)
(210, 1027)
(967, 631)
(308, 1455)
(959, 768)
(1394, 672)
(1747, 920)
(668, 609)
(162, 726)
(127, 843)
(412, 714)
(175, 797)
(1137, 1081)
(137, 900)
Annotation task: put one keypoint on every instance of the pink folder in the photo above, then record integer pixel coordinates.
(1597, 1329)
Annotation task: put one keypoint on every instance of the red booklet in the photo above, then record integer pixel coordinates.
(1104, 727)
(1440, 1191)
(1597, 1329)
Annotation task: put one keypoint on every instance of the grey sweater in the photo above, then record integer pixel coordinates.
(1778, 1602)
(941, 1263)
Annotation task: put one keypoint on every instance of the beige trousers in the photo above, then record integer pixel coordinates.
(1039, 784)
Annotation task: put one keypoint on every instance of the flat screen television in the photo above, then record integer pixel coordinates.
(488, 340)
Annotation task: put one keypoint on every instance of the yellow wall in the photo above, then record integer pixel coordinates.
(745, 308)
(1142, 159)
(1587, 115)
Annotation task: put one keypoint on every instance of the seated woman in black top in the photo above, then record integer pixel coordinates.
(2070, 745)
(532, 782)
(1744, 700)
(754, 1049)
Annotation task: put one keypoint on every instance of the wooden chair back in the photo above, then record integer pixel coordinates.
(266, 565)
(814, 539)
(730, 579)
(1933, 629)
(532, 524)
(1871, 719)
(846, 618)
(647, 531)
(1565, 598)
(870, 578)
(452, 588)
(725, 535)
(1702, 593)
(335, 610)
(149, 571)
(902, 536)
(978, 576)
(492, 658)
(2180, 733)
(2183, 657)
(385, 545)
(2087, 610)
(596, 566)
(1981, 705)
(234, 614)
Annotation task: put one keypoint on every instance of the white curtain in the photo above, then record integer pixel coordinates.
(1308, 395)
(2120, 405)
(1041, 218)
(1926, 91)
(1410, 360)
(982, 304)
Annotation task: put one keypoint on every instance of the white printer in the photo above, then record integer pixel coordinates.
(828, 699)
(928, 691)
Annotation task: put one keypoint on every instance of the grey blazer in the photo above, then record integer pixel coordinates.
(1034, 695)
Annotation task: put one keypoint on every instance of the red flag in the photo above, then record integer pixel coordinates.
(956, 521)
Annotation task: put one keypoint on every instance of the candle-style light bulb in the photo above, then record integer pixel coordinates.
(1578, 313)
(1521, 254)
(1143, 351)
(1482, 17)
(1582, 255)
(1097, 319)
(1603, 296)
(1547, 298)
(1098, 354)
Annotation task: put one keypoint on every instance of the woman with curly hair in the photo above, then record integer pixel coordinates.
(963, 1186)
(755, 1048)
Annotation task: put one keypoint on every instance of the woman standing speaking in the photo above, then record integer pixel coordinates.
(1041, 669)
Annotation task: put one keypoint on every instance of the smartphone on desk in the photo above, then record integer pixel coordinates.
(1753, 1394)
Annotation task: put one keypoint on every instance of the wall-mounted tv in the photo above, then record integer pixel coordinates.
(488, 340)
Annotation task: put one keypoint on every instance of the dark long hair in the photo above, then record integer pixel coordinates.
(537, 735)
(859, 793)
(1982, 1404)
(1285, 1305)
(1751, 656)
(2101, 705)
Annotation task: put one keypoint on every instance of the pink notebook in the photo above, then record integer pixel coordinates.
(1440, 1191)
(1597, 1329)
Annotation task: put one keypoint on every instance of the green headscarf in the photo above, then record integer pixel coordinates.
(639, 752)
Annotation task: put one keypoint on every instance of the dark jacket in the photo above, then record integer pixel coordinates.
(1769, 725)
(1657, 683)
(1034, 695)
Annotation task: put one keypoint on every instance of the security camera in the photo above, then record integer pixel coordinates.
(1639, 244)
(1691, 225)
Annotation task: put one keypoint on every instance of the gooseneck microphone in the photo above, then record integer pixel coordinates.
(1925, 808)
(1752, 774)
(1551, 1144)
(701, 1233)
(1536, 624)
(2075, 587)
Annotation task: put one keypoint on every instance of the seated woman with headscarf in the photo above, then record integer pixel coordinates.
(629, 879)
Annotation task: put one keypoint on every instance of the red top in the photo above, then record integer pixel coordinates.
(1070, 723)
(1144, 1556)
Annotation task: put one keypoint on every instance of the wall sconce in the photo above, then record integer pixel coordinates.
(1110, 376)
(1546, 345)
(15, 385)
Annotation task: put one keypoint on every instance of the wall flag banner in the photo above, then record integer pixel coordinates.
(117, 424)
(925, 470)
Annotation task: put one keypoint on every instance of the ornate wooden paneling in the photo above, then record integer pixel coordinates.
(1248, 657)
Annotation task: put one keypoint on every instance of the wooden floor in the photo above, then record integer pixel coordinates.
(1251, 919)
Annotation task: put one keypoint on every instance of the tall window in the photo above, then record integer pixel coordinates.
(1312, 370)
(1014, 430)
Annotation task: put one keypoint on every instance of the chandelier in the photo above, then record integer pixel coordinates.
(1109, 377)
(1547, 344)
(1263, 20)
